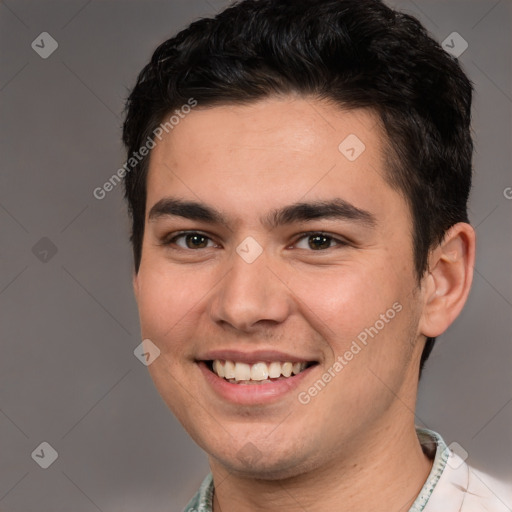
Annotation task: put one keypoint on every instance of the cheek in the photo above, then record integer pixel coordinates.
(342, 301)
(167, 300)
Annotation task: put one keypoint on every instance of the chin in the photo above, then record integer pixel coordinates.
(270, 472)
(249, 463)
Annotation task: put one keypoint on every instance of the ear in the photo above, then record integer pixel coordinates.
(448, 280)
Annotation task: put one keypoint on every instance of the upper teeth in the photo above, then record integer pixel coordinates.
(258, 371)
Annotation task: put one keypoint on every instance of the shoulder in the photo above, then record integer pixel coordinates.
(488, 492)
(455, 486)
(466, 489)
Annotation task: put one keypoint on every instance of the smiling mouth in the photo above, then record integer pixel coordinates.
(258, 373)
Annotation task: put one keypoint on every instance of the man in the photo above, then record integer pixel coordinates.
(298, 190)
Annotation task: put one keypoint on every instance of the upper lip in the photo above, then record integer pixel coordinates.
(253, 357)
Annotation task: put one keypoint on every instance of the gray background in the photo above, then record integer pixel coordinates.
(69, 324)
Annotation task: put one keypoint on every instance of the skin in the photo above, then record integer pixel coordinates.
(353, 447)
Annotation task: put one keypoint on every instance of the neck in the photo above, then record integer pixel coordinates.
(386, 473)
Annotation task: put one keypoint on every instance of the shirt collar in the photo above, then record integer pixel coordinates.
(433, 445)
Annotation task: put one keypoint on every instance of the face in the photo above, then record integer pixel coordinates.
(271, 239)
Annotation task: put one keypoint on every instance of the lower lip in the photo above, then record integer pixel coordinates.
(252, 394)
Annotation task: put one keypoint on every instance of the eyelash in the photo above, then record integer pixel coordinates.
(170, 241)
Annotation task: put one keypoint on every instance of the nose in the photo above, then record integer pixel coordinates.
(251, 296)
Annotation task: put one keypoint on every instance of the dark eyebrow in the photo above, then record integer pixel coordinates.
(188, 209)
(297, 212)
(328, 209)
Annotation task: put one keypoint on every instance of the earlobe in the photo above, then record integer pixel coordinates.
(448, 282)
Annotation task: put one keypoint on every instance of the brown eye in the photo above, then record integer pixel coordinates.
(318, 241)
(192, 240)
(196, 241)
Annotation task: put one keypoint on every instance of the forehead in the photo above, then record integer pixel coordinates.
(277, 150)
